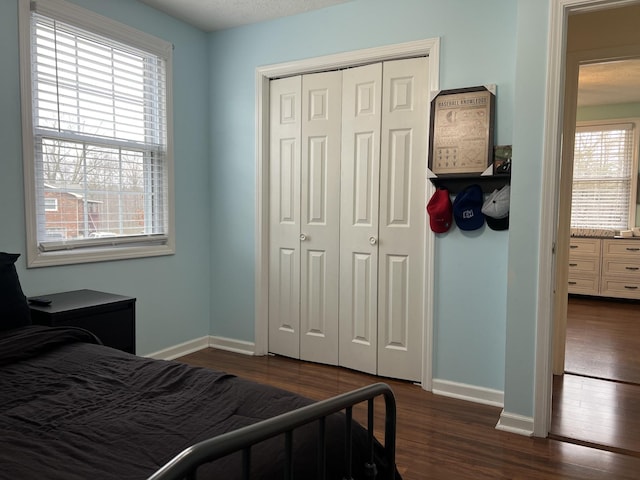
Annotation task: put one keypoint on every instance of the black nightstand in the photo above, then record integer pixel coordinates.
(112, 318)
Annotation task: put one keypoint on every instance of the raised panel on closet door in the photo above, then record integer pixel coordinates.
(402, 218)
(284, 217)
(360, 176)
(320, 216)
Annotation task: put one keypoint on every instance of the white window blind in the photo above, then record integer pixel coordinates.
(100, 138)
(603, 172)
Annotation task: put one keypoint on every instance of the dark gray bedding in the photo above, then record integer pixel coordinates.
(72, 409)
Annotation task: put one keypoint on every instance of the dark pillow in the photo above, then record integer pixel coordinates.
(14, 310)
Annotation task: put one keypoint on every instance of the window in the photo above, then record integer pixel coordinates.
(604, 176)
(50, 204)
(96, 107)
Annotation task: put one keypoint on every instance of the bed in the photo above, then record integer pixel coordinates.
(71, 408)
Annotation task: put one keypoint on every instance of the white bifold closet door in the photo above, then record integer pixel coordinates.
(382, 270)
(360, 183)
(304, 224)
(347, 226)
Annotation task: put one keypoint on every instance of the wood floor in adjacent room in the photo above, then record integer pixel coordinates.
(597, 401)
(437, 437)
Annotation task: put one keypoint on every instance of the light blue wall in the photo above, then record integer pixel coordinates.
(172, 292)
(608, 112)
(486, 293)
(478, 45)
(525, 219)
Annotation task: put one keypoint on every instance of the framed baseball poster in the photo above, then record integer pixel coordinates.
(461, 136)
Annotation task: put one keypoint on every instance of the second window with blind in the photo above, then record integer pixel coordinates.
(605, 175)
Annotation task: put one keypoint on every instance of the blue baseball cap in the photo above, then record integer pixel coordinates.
(467, 208)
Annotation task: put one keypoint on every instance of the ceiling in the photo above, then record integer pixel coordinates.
(609, 83)
(212, 15)
(599, 83)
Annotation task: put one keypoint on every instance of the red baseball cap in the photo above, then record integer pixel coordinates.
(440, 211)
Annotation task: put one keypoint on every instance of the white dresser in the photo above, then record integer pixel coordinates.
(620, 274)
(608, 267)
(584, 265)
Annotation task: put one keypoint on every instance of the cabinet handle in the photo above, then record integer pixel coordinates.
(573, 246)
(303, 237)
(573, 264)
(573, 283)
(632, 268)
(631, 287)
(633, 249)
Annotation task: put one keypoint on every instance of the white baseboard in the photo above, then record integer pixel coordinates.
(471, 393)
(511, 422)
(232, 345)
(181, 349)
(221, 343)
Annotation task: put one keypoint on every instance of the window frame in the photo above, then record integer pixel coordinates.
(98, 249)
(633, 190)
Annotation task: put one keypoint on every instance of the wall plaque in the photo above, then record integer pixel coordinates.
(461, 136)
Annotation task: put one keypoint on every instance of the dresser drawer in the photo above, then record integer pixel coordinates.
(627, 248)
(584, 246)
(616, 287)
(584, 285)
(621, 266)
(586, 265)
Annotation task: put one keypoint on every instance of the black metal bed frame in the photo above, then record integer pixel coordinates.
(185, 464)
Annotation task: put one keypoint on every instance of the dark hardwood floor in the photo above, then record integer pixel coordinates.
(603, 339)
(597, 402)
(437, 437)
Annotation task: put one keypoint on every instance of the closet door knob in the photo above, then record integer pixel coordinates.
(303, 237)
(373, 240)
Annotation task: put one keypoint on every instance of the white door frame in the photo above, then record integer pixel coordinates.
(559, 13)
(429, 48)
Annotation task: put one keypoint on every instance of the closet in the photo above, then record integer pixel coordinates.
(348, 155)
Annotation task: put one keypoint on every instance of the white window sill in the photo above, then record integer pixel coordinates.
(36, 258)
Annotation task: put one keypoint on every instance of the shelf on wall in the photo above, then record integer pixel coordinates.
(455, 183)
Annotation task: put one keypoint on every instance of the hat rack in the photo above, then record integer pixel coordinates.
(456, 183)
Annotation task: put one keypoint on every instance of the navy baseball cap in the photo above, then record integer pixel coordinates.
(467, 208)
